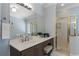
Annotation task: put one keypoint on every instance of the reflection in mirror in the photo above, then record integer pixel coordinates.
(33, 28)
(17, 26)
(21, 27)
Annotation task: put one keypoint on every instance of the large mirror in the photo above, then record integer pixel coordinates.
(21, 26)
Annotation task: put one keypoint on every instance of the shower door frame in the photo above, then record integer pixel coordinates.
(68, 31)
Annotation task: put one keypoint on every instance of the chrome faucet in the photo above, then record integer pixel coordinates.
(26, 38)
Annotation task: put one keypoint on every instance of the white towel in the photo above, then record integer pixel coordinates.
(48, 48)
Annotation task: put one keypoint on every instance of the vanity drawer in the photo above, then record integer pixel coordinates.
(33, 51)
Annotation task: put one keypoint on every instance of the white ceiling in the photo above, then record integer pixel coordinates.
(48, 4)
(66, 5)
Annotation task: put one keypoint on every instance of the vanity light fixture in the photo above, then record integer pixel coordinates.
(26, 5)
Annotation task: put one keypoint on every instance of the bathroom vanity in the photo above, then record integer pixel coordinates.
(33, 47)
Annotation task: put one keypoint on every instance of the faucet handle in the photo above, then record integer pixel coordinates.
(26, 38)
(22, 40)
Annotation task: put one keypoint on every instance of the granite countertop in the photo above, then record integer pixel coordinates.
(20, 46)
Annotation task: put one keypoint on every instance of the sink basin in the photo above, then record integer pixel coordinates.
(32, 39)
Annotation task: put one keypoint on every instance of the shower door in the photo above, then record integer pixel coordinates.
(4, 18)
(62, 35)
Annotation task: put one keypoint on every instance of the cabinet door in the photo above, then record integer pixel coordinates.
(28, 52)
(38, 50)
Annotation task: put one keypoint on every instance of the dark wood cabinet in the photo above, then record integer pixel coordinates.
(36, 50)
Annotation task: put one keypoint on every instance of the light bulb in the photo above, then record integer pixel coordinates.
(62, 4)
(13, 9)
